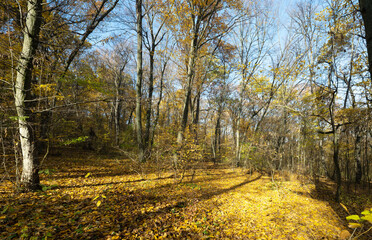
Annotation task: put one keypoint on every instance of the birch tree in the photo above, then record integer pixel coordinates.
(23, 96)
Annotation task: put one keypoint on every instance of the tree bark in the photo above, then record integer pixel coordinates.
(141, 149)
(366, 10)
(190, 76)
(117, 108)
(336, 147)
(217, 135)
(30, 176)
(157, 114)
(237, 143)
(357, 155)
(149, 100)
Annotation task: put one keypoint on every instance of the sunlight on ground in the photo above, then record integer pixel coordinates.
(115, 202)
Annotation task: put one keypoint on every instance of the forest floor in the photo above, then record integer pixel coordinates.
(90, 197)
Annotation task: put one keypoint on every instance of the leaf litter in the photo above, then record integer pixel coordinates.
(95, 198)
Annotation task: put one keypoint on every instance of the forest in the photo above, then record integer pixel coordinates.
(185, 119)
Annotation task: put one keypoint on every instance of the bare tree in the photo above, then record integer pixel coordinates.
(201, 16)
(153, 37)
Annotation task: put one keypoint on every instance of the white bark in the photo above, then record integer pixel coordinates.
(30, 177)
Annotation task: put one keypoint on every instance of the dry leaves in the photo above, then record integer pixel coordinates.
(104, 199)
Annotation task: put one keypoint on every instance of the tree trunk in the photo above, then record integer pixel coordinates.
(336, 147)
(157, 114)
(149, 100)
(357, 156)
(158, 104)
(141, 149)
(217, 135)
(30, 175)
(190, 76)
(237, 146)
(195, 121)
(366, 10)
(117, 110)
(197, 109)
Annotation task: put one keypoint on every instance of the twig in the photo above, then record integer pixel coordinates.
(46, 154)
(351, 236)
(363, 233)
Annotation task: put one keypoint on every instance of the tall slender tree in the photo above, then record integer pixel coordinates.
(141, 146)
(366, 10)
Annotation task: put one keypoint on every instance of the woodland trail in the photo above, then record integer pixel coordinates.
(103, 198)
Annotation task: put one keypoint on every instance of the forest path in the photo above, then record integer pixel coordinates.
(88, 197)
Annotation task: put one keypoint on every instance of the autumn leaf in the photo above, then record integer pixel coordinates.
(367, 218)
(221, 203)
(353, 217)
(355, 225)
(366, 212)
(344, 207)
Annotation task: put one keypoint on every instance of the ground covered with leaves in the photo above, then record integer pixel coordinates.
(90, 197)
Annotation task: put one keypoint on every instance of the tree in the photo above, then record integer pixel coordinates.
(366, 10)
(38, 16)
(219, 88)
(333, 54)
(307, 31)
(252, 37)
(194, 18)
(141, 145)
(114, 64)
(23, 95)
(153, 37)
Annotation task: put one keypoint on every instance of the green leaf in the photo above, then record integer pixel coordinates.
(46, 171)
(16, 118)
(353, 217)
(5, 209)
(76, 140)
(45, 188)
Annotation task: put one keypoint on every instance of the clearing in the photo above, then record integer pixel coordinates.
(91, 197)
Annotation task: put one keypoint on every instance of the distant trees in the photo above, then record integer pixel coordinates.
(199, 80)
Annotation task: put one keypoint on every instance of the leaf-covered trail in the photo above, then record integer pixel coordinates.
(106, 199)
